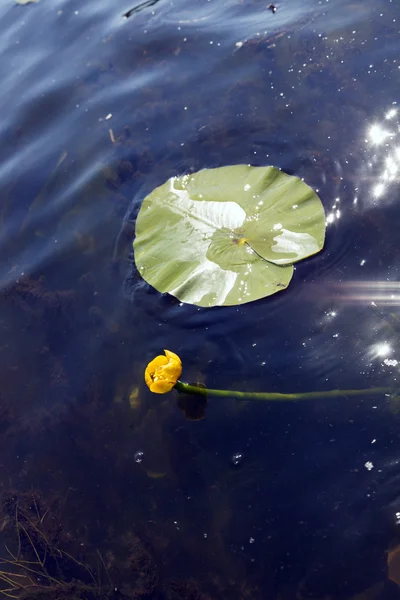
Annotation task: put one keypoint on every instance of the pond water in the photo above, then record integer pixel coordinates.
(101, 102)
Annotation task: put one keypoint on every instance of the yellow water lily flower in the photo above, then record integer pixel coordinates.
(163, 372)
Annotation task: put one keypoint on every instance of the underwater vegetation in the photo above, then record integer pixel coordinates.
(43, 562)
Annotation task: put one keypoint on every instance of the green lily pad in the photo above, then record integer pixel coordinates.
(227, 236)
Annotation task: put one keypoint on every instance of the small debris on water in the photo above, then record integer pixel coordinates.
(369, 465)
(139, 455)
(236, 459)
(390, 362)
(108, 117)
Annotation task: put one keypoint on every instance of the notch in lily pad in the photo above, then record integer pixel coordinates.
(227, 236)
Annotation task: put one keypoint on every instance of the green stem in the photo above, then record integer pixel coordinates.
(194, 389)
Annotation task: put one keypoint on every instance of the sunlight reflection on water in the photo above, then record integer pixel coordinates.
(383, 150)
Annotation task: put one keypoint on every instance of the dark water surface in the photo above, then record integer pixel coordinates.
(106, 484)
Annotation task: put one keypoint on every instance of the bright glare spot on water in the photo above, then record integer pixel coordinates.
(378, 190)
(391, 167)
(330, 218)
(391, 113)
(380, 350)
(377, 134)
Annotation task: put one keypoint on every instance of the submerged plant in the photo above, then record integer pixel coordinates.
(227, 236)
(37, 568)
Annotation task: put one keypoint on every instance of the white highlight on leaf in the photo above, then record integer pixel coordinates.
(202, 218)
(300, 244)
(207, 215)
(207, 278)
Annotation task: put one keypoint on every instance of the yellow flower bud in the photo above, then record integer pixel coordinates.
(163, 372)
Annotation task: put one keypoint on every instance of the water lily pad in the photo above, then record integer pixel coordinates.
(227, 236)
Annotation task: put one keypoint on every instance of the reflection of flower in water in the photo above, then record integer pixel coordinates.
(383, 142)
